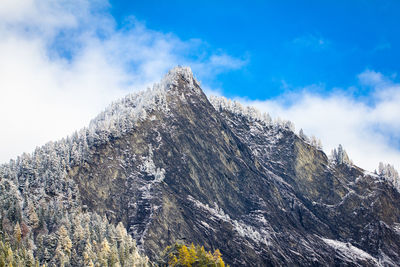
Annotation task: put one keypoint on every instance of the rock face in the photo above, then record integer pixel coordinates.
(199, 172)
(188, 168)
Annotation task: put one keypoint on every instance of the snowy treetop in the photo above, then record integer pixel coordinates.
(314, 141)
(389, 173)
(177, 73)
(339, 156)
(222, 103)
(121, 115)
(134, 106)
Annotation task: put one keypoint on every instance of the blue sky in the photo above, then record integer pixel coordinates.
(329, 66)
(287, 44)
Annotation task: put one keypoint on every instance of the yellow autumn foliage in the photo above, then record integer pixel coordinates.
(180, 255)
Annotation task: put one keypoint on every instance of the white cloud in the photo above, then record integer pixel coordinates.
(311, 41)
(363, 129)
(62, 62)
(371, 78)
(225, 60)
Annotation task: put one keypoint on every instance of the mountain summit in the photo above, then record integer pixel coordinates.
(175, 166)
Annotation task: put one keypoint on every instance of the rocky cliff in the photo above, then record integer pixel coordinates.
(173, 165)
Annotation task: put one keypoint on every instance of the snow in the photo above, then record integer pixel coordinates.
(396, 228)
(259, 119)
(223, 104)
(258, 235)
(350, 252)
(147, 191)
(123, 115)
(367, 173)
(150, 168)
(180, 72)
(389, 173)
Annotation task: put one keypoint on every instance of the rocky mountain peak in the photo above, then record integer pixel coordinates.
(178, 72)
(175, 166)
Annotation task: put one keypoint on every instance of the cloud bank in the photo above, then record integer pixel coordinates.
(368, 128)
(62, 62)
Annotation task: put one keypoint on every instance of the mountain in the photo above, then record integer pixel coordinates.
(172, 166)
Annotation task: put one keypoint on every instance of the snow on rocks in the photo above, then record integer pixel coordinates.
(350, 252)
(150, 168)
(251, 113)
(244, 230)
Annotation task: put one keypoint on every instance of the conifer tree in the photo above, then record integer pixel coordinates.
(33, 217)
(17, 233)
(184, 256)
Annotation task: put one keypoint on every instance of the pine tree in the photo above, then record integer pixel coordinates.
(319, 144)
(33, 217)
(173, 261)
(192, 253)
(113, 256)
(104, 252)
(390, 173)
(302, 135)
(184, 256)
(17, 233)
(64, 245)
(78, 231)
(88, 255)
(340, 154)
(217, 258)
